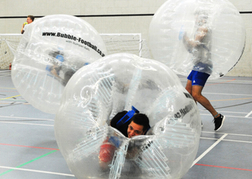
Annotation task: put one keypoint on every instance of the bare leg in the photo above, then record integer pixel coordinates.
(196, 93)
(54, 72)
(189, 86)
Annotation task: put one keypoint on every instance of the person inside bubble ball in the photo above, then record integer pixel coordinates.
(200, 47)
(30, 19)
(130, 124)
(59, 65)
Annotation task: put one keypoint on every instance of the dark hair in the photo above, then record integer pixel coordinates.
(116, 118)
(141, 119)
(31, 17)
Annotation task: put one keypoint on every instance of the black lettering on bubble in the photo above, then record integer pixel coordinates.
(177, 115)
(187, 95)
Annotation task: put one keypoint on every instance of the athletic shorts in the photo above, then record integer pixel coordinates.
(198, 78)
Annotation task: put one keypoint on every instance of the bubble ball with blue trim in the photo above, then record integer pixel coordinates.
(50, 51)
(120, 82)
(201, 35)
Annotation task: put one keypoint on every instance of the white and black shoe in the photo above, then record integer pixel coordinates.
(218, 122)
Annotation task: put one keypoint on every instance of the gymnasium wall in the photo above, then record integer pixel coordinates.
(113, 16)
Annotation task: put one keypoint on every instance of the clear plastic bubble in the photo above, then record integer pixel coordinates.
(96, 93)
(51, 50)
(203, 35)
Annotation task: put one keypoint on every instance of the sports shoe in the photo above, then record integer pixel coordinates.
(218, 122)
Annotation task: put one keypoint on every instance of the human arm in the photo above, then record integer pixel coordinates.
(22, 29)
(55, 70)
(106, 154)
(192, 43)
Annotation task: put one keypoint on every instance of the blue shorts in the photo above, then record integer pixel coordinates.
(198, 78)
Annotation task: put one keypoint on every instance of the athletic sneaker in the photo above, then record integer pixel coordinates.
(218, 122)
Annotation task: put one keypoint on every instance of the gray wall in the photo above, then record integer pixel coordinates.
(13, 13)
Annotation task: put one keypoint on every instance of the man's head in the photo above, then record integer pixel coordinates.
(30, 19)
(116, 118)
(138, 126)
(202, 16)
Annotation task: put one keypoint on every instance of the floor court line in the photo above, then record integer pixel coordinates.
(4, 74)
(227, 140)
(233, 168)
(71, 175)
(25, 123)
(220, 82)
(231, 112)
(228, 94)
(243, 135)
(248, 114)
(25, 146)
(31, 118)
(232, 99)
(10, 170)
(231, 116)
(209, 149)
(14, 103)
(1, 87)
(37, 171)
(8, 101)
(9, 97)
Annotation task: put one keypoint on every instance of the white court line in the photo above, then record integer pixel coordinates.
(228, 94)
(209, 149)
(25, 123)
(225, 112)
(5, 72)
(248, 114)
(243, 135)
(227, 140)
(7, 75)
(26, 118)
(228, 116)
(38, 171)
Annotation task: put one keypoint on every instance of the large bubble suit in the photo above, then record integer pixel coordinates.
(96, 93)
(204, 35)
(51, 50)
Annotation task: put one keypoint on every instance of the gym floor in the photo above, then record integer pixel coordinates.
(29, 149)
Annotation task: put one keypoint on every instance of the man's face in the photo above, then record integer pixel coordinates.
(134, 129)
(29, 20)
(201, 19)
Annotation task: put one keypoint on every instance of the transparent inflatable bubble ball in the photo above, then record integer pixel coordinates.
(120, 82)
(51, 50)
